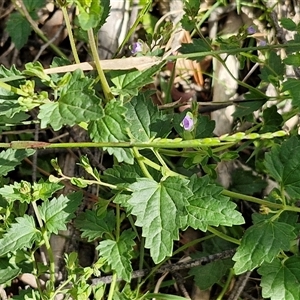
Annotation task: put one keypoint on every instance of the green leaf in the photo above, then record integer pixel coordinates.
(261, 243)
(273, 70)
(21, 234)
(44, 189)
(92, 13)
(293, 86)
(19, 29)
(248, 107)
(293, 45)
(211, 273)
(208, 207)
(288, 24)
(293, 59)
(128, 82)
(11, 158)
(10, 74)
(283, 163)
(198, 45)
(57, 212)
(158, 207)
(122, 175)
(18, 191)
(112, 128)
(7, 271)
(246, 182)
(191, 7)
(207, 275)
(143, 116)
(94, 226)
(33, 5)
(281, 280)
(77, 103)
(272, 120)
(118, 254)
(36, 69)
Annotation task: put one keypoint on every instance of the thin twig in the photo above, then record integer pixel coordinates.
(239, 286)
(45, 46)
(174, 267)
(180, 283)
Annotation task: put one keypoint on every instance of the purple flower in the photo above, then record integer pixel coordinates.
(188, 122)
(136, 47)
(262, 43)
(251, 30)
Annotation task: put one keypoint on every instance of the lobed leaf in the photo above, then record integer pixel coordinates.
(118, 254)
(94, 226)
(112, 127)
(93, 13)
(208, 207)
(21, 234)
(19, 29)
(8, 270)
(261, 243)
(57, 212)
(241, 180)
(209, 274)
(77, 103)
(283, 163)
(143, 116)
(281, 280)
(293, 86)
(11, 158)
(122, 175)
(158, 207)
(128, 82)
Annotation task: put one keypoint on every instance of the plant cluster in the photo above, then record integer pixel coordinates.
(162, 178)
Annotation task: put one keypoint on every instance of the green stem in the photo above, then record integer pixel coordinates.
(227, 284)
(140, 160)
(98, 182)
(160, 159)
(260, 201)
(70, 34)
(205, 16)
(157, 143)
(35, 272)
(142, 255)
(112, 287)
(13, 89)
(135, 24)
(250, 199)
(118, 222)
(231, 51)
(106, 89)
(223, 235)
(47, 243)
(50, 257)
(118, 229)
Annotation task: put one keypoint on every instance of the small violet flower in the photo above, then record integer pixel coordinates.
(251, 30)
(188, 122)
(262, 43)
(136, 47)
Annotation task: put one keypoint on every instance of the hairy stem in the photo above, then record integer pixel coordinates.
(70, 34)
(106, 89)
